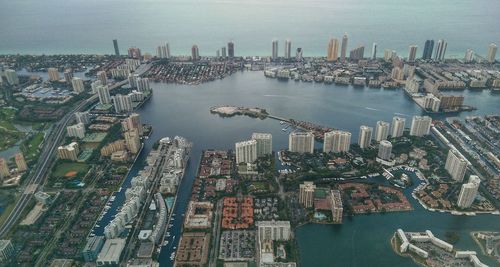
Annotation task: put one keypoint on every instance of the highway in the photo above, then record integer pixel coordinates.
(46, 157)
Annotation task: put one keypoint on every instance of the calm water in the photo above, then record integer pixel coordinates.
(184, 110)
(88, 26)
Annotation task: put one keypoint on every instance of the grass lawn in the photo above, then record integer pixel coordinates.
(70, 168)
(31, 147)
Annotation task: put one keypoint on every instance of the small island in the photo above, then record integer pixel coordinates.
(230, 111)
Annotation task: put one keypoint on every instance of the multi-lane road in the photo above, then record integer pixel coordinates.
(45, 159)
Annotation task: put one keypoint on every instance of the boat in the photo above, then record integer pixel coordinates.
(165, 242)
(284, 130)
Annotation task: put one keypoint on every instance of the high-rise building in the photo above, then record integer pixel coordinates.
(11, 76)
(301, 142)
(397, 126)
(115, 45)
(104, 96)
(412, 53)
(357, 53)
(77, 130)
(343, 49)
(431, 102)
(428, 47)
(492, 53)
(163, 51)
(456, 165)
(440, 50)
(298, 54)
(246, 151)
(365, 136)
(4, 169)
(142, 84)
(306, 194)
(230, 49)
(20, 162)
(195, 53)
(133, 141)
(333, 50)
(420, 125)
(274, 54)
(223, 51)
(336, 141)
(77, 85)
(103, 77)
(69, 152)
(374, 51)
(388, 55)
(468, 192)
(53, 74)
(134, 52)
(273, 230)
(469, 56)
(82, 117)
(337, 207)
(397, 73)
(384, 150)
(264, 143)
(94, 86)
(133, 122)
(412, 85)
(381, 131)
(7, 250)
(122, 103)
(288, 49)
(68, 75)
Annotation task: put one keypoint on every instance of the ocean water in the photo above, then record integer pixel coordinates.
(88, 26)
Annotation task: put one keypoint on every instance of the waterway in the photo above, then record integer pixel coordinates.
(362, 240)
(88, 26)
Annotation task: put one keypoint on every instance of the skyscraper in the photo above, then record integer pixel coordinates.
(336, 141)
(343, 49)
(122, 103)
(306, 194)
(440, 50)
(230, 49)
(77, 85)
(412, 53)
(429, 46)
(246, 151)
(288, 49)
(357, 53)
(333, 50)
(104, 96)
(133, 141)
(374, 51)
(133, 122)
(11, 76)
(492, 52)
(275, 49)
(468, 192)
(223, 51)
(397, 126)
(384, 150)
(456, 165)
(381, 131)
(365, 136)
(4, 169)
(420, 125)
(469, 56)
(134, 52)
(103, 77)
(301, 142)
(298, 54)
(20, 162)
(53, 74)
(264, 143)
(195, 53)
(115, 44)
